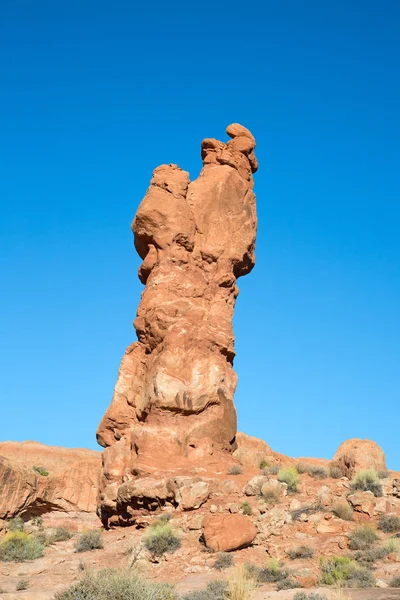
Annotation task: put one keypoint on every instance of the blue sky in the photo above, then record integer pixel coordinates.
(95, 95)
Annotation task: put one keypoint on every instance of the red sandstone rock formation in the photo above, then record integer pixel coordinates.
(354, 454)
(70, 486)
(173, 401)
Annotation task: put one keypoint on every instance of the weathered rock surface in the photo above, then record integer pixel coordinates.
(70, 486)
(355, 454)
(224, 533)
(173, 401)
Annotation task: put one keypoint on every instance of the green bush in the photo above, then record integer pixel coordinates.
(18, 546)
(246, 509)
(335, 569)
(60, 534)
(112, 584)
(367, 481)
(395, 582)
(161, 538)
(342, 510)
(215, 590)
(363, 537)
(22, 584)
(41, 471)
(89, 540)
(264, 464)
(301, 552)
(235, 470)
(290, 476)
(223, 561)
(15, 524)
(389, 523)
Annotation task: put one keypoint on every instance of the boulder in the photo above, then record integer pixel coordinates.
(274, 484)
(363, 502)
(355, 454)
(251, 451)
(254, 485)
(227, 532)
(193, 496)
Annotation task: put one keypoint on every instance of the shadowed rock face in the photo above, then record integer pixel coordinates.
(173, 401)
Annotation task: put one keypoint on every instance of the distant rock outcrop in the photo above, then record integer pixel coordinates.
(36, 479)
(173, 401)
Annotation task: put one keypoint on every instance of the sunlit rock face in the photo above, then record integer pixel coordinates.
(173, 401)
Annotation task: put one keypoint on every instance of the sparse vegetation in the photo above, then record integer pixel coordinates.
(41, 471)
(367, 480)
(89, 540)
(38, 522)
(315, 471)
(264, 464)
(301, 552)
(161, 538)
(18, 546)
(395, 582)
(273, 572)
(246, 509)
(290, 476)
(383, 474)
(340, 569)
(121, 584)
(22, 584)
(309, 509)
(335, 472)
(270, 494)
(223, 561)
(215, 590)
(310, 596)
(235, 470)
(389, 523)
(363, 537)
(240, 584)
(15, 524)
(343, 510)
(59, 534)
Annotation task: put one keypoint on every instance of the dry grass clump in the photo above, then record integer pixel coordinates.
(89, 540)
(363, 537)
(114, 583)
(235, 470)
(395, 582)
(389, 523)
(223, 561)
(315, 471)
(215, 590)
(301, 552)
(367, 480)
(343, 510)
(22, 584)
(161, 538)
(240, 584)
(246, 508)
(270, 493)
(310, 596)
(59, 534)
(335, 471)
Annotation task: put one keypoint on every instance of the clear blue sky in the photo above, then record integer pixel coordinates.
(94, 95)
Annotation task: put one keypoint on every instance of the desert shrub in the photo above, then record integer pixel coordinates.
(246, 509)
(302, 467)
(315, 471)
(371, 555)
(41, 471)
(22, 584)
(389, 523)
(301, 552)
(161, 538)
(367, 480)
(361, 577)
(273, 572)
(89, 540)
(264, 464)
(309, 509)
(290, 476)
(112, 584)
(287, 583)
(223, 561)
(391, 545)
(60, 534)
(395, 582)
(18, 546)
(240, 584)
(383, 474)
(335, 472)
(363, 537)
(270, 494)
(235, 470)
(274, 470)
(37, 522)
(15, 524)
(342, 510)
(215, 590)
(335, 569)
(310, 596)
